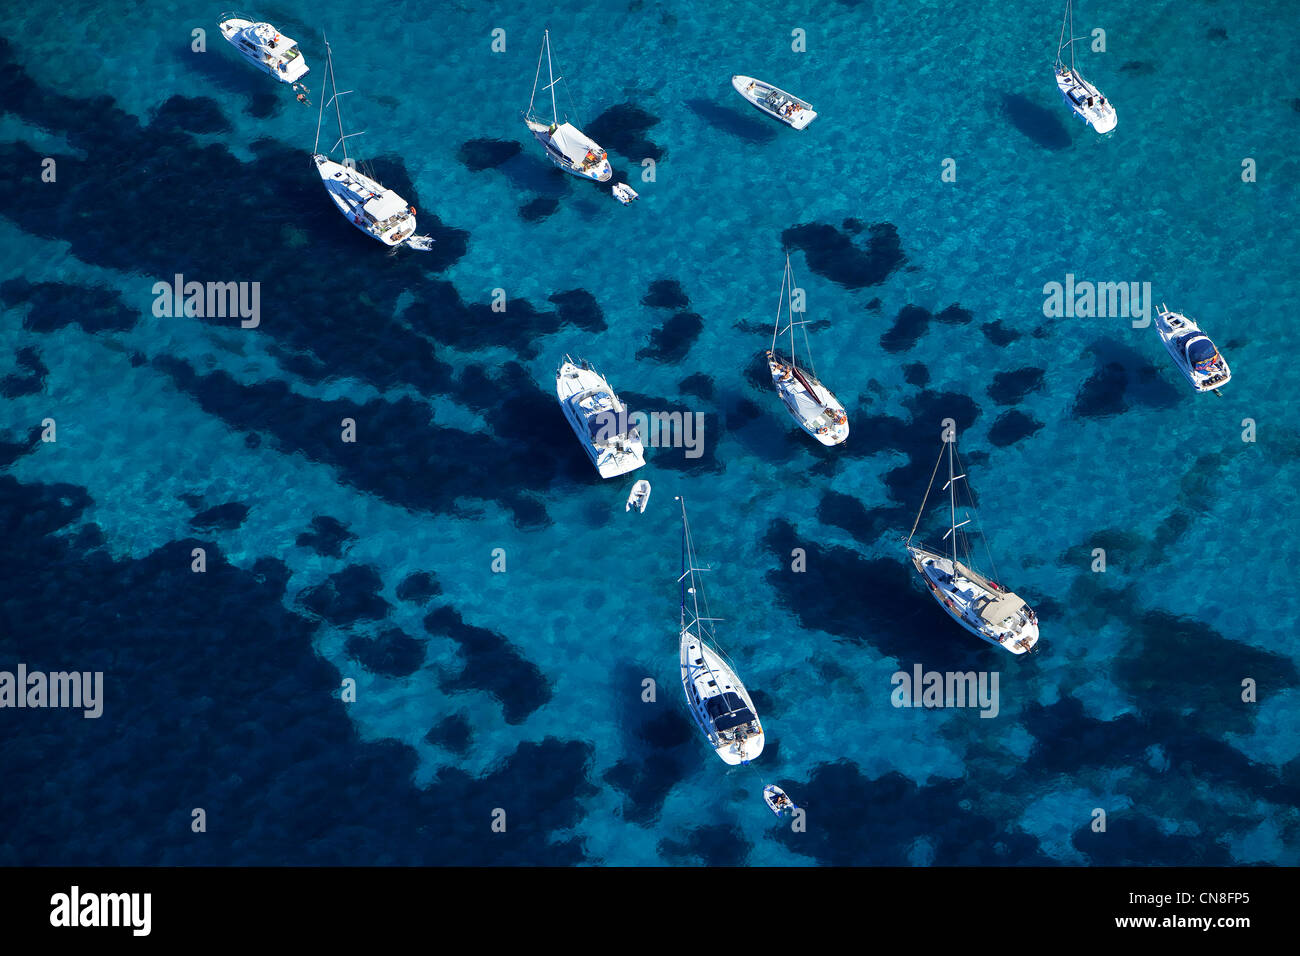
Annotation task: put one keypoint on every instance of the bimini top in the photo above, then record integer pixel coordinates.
(728, 710)
(574, 144)
(385, 206)
(1007, 605)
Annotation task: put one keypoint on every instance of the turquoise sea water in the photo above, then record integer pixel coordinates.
(522, 690)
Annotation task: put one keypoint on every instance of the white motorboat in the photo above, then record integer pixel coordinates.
(973, 600)
(718, 701)
(809, 402)
(1081, 96)
(599, 419)
(774, 101)
(377, 211)
(624, 193)
(1193, 352)
(265, 47)
(566, 145)
(639, 497)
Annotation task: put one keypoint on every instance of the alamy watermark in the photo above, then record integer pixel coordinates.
(128, 910)
(656, 429)
(75, 689)
(209, 300)
(939, 689)
(1100, 300)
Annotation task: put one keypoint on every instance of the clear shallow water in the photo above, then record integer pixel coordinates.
(522, 690)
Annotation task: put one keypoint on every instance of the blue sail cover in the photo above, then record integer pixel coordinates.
(728, 710)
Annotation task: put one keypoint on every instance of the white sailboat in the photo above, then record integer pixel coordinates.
(599, 419)
(377, 211)
(1192, 351)
(265, 47)
(717, 699)
(567, 146)
(973, 600)
(1081, 96)
(774, 101)
(809, 402)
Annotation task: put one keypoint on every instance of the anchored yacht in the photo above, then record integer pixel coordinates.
(718, 701)
(1081, 96)
(973, 600)
(266, 48)
(809, 402)
(1193, 352)
(567, 146)
(599, 419)
(377, 211)
(774, 101)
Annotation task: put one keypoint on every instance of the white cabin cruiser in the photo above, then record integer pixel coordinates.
(809, 402)
(566, 145)
(774, 101)
(265, 47)
(599, 419)
(718, 701)
(1081, 96)
(1193, 352)
(980, 605)
(377, 211)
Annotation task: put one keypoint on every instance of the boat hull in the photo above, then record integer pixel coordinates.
(286, 71)
(932, 568)
(832, 426)
(572, 380)
(1076, 91)
(600, 172)
(639, 497)
(341, 183)
(1170, 333)
(791, 111)
(777, 800)
(700, 663)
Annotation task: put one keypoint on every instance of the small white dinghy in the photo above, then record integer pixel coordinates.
(774, 101)
(624, 193)
(777, 801)
(639, 497)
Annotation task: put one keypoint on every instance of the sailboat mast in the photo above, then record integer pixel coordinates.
(1069, 6)
(536, 77)
(320, 113)
(790, 306)
(555, 113)
(780, 304)
(952, 501)
(1060, 43)
(343, 140)
(682, 578)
